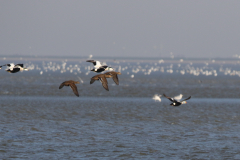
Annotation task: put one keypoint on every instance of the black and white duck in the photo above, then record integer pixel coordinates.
(175, 102)
(12, 68)
(98, 67)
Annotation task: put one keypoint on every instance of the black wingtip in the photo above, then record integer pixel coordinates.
(89, 60)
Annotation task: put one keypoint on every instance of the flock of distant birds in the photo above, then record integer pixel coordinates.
(98, 68)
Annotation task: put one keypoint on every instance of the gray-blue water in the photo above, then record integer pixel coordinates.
(39, 121)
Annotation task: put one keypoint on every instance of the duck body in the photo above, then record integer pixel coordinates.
(71, 83)
(13, 70)
(176, 104)
(102, 68)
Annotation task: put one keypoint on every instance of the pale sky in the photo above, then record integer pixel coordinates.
(123, 28)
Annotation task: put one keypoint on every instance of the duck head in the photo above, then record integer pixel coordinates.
(184, 102)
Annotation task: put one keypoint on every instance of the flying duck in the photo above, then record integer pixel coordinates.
(114, 76)
(175, 102)
(71, 83)
(102, 79)
(98, 67)
(14, 68)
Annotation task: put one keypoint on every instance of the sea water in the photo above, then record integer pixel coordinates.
(40, 121)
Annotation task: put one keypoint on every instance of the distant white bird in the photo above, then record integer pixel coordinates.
(156, 97)
(178, 97)
(90, 56)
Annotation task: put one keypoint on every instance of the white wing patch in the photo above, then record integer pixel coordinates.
(98, 64)
(11, 66)
(178, 97)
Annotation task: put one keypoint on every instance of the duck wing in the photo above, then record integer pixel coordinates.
(104, 82)
(2, 66)
(10, 65)
(61, 85)
(115, 79)
(92, 81)
(92, 61)
(94, 78)
(96, 64)
(171, 99)
(17, 65)
(74, 88)
(186, 99)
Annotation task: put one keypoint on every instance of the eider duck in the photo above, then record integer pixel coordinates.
(14, 68)
(98, 67)
(175, 102)
(71, 83)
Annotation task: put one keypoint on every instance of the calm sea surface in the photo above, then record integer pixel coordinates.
(39, 121)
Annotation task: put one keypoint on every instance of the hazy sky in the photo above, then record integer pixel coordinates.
(150, 28)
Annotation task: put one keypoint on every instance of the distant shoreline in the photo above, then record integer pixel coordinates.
(126, 59)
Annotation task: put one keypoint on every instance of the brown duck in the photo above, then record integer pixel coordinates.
(102, 79)
(71, 83)
(114, 76)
